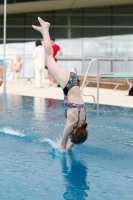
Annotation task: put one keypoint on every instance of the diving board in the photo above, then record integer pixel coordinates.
(116, 75)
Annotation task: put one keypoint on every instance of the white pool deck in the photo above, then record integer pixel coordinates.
(106, 96)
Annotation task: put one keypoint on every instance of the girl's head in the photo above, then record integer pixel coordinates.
(38, 42)
(79, 134)
(18, 58)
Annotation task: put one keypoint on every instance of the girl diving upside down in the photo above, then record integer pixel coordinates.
(75, 128)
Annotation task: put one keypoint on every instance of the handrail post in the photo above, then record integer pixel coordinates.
(74, 70)
(98, 75)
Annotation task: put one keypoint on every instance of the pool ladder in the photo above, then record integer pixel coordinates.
(74, 70)
(86, 82)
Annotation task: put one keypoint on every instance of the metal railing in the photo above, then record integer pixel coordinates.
(72, 62)
(74, 70)
(27, 71)
(108, 65)
(79, 65)
(85, 81)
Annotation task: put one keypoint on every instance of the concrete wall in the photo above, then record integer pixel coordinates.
(58, 5)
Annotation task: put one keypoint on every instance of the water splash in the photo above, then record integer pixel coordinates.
(10, 131)
(55, 144)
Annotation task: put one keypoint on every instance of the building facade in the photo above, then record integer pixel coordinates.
(88, 31)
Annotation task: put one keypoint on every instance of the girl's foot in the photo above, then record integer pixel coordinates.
(42, 23)
(38, 28)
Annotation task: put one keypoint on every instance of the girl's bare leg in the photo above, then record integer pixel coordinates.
(58, 72)
(18, 77)
(14, 73)
(44, 29)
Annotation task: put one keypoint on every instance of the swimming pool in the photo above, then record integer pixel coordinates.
(99, 169)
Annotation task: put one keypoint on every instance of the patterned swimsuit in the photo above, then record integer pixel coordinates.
(73, 81)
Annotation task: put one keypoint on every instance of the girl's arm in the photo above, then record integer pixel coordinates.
(59, 53)
(20, 66)
(69, 145)
(13, 66)
(71, 123)
(65, 135)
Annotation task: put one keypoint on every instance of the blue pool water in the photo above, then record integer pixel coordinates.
(99, 169)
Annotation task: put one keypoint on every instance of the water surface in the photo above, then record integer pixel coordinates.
(99, 169)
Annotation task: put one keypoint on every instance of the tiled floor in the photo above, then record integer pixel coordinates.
(106, 96)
